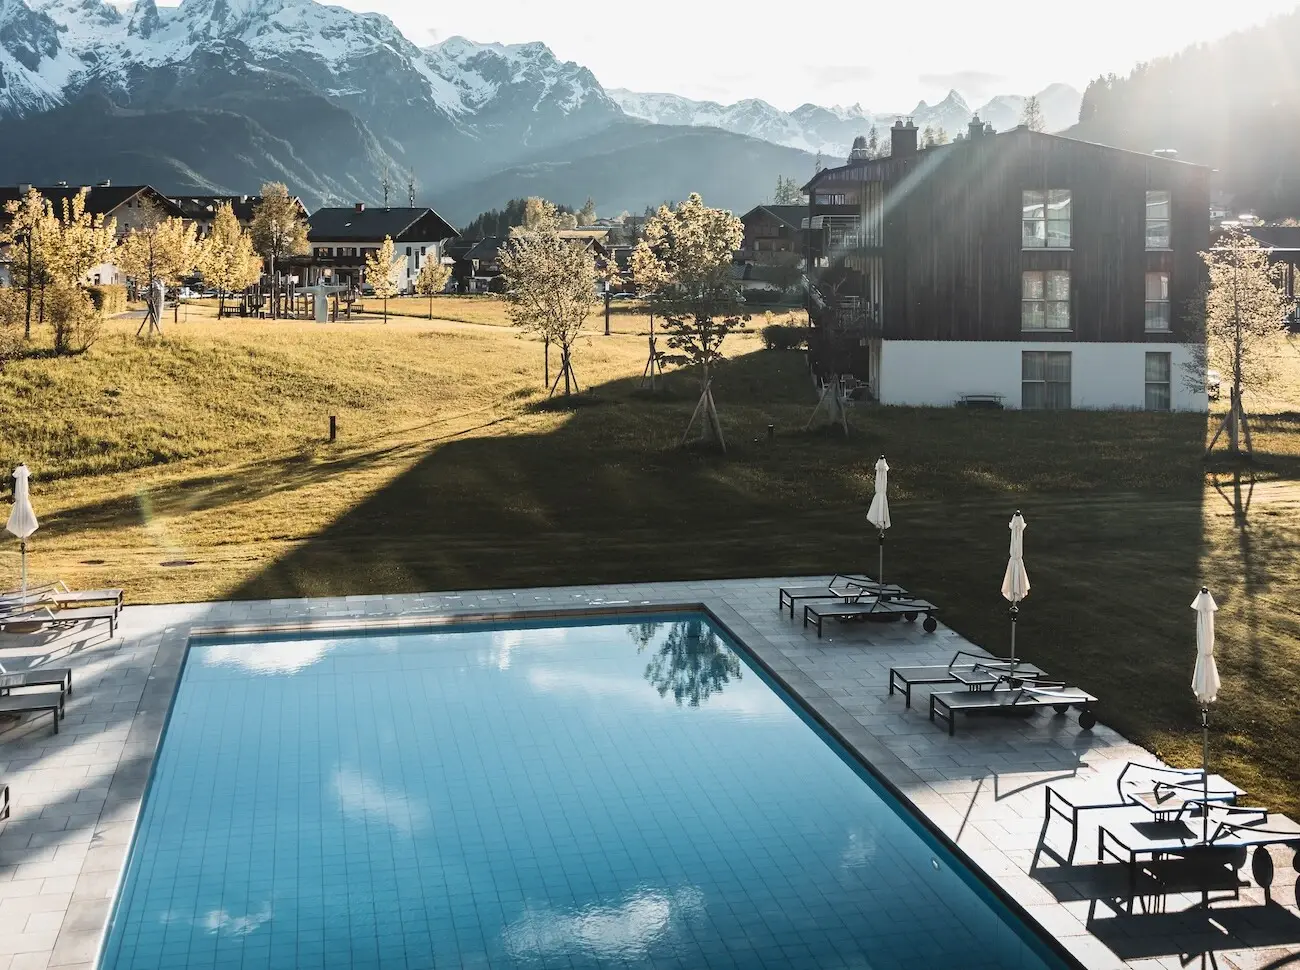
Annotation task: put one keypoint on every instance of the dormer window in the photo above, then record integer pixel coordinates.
(1045, 219)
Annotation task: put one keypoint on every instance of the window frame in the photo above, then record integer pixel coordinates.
(1148, 303)
(1167, 221)
(1049, 402)
(1026, 324)
(1167, 384)
(1045, 220)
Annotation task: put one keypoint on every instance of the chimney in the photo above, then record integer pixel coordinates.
(107, 183)
(1170, 153)
(975, 129)
(63, 184)
(902, 138)
(24, 188)
(361, 207)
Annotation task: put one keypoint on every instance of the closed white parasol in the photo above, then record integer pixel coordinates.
(878, 514)
(1015, 582)
(1205, 684)
(22, 519)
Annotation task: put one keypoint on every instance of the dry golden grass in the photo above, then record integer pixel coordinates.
(209, 448)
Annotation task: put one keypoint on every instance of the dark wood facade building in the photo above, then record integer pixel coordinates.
(773, 229)
(1041, 270)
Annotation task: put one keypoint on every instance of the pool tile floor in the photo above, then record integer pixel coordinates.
(76, 795)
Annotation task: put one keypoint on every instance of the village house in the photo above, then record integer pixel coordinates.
(341, 238)
(1022, 268)
(773, 231)
(129, 205)
(202, 209)
(1283, 246)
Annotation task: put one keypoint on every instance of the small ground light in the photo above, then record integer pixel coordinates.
(935, 863)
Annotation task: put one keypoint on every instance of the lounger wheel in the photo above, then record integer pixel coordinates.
(1295, 864)
(1261, 867)
(930, 624)
(1087, 720)
(1238, 857)
(1060, 708)
(910, 616)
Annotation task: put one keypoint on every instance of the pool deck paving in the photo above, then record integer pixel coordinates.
(76, 794)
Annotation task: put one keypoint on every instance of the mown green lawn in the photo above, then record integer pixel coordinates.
(452, 473)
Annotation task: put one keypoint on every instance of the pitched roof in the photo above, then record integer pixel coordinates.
(372, 225)
(1275, 237)
(598, 234)
(204, 207)
(101, 200)
(1001, 138)
(790, 215)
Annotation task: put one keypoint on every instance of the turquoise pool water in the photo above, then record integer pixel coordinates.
(597, 795)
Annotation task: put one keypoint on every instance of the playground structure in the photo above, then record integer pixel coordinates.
(285, 299)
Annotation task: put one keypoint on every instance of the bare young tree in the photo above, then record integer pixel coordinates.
(432, 280)
(685, 263)
(1031, 114)
(381, 272)
(279, 230)
(550, 288)
(1239, 312)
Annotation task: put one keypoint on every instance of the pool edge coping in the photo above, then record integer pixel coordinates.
(810, 699)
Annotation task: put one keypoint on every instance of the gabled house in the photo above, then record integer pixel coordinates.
(341, 238)
(1029, 268)
(1283, 246)
(771, 229)
(129, 205)
(202, 209)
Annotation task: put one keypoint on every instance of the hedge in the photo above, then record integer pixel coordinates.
(783, 336)
(108, 300)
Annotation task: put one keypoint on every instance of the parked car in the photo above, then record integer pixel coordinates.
(1212, 381)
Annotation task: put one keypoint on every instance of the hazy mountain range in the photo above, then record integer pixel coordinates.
(220, 95)
(831, 131)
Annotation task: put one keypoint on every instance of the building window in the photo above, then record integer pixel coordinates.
(1158, 214)
(1158, 371)
(836, 198)
(1045, 300)
(1158, 301)
(1045, 380)
(408, 252)
(1045, 219)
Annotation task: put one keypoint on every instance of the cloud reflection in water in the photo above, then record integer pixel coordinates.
(624, 931)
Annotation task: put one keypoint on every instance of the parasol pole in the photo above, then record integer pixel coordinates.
(22, 545)
(1205, 773)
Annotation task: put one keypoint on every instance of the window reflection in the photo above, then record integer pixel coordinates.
(1046, 216)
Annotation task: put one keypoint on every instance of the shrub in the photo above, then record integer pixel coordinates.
(73, 315)
(108, 300)
(764, 297)
(12, 311)
(784, 336)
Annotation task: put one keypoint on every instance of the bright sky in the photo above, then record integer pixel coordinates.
(885, 55)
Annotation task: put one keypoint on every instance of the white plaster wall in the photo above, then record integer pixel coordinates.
(936, 373)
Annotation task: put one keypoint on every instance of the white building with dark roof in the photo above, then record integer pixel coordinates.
(341, 238)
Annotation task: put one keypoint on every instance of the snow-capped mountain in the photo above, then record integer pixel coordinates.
(339, 94)
(831, 130)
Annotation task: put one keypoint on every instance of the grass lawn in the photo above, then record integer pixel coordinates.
(209, 449)
(626, 316)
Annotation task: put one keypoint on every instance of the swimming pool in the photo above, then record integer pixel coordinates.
(601, 794)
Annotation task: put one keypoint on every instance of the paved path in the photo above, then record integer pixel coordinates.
(76, 795)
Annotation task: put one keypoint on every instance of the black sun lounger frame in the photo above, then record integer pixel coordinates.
(60, 677)
(905, 678)
(38, 702)
(1128, 840)
(4, 801)
(1030, 696)
(849, 589)
(49, 617)
(908, 608)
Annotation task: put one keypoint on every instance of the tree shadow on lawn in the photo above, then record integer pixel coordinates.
(1113, 502)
